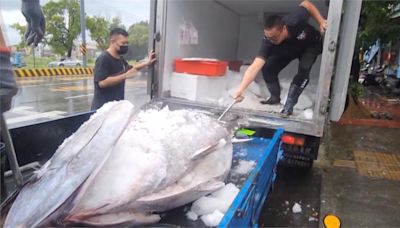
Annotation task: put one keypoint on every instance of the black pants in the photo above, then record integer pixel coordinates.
(275, 64)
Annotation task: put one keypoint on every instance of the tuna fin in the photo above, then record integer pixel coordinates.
(211, 186)
(176, 196)
(208, 149)
(117, 219)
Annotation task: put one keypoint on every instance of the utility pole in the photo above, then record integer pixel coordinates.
(83, 33)
(33, 55)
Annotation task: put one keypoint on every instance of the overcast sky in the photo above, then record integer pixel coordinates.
(130, 11)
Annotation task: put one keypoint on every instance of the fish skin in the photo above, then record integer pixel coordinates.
(119, 219)
(53, 185)
(206, 177)
(138, 180)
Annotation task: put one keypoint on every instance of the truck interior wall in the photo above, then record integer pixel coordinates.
(251, 33)
(217, 27)
(250, 38)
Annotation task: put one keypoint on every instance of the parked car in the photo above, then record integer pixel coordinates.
(65, 62)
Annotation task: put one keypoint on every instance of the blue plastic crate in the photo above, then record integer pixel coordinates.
(245, 209)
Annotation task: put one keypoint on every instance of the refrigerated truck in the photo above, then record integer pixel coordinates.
(233, 30)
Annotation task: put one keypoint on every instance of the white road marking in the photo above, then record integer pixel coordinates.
(33, 116)
(21, 108)
(79, 96)
(54, 84)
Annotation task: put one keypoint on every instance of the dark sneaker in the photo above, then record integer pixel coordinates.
(271, 101)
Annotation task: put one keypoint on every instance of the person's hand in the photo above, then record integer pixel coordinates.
(238, 96)
(323, 24)
(130, 73)
(151, 58)
(36, 24)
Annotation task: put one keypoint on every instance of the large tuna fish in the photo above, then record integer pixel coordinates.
(164, 159)
(73, 162)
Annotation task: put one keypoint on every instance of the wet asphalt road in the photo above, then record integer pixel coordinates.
(45, 98)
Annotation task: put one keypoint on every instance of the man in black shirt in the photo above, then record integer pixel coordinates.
(111, 70)
(286, 39)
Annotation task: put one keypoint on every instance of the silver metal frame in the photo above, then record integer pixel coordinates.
(259, 118)
(327, 64)
(347, 40)
(12, 157)
(158, 16)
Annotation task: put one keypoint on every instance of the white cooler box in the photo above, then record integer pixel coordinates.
(197, 88)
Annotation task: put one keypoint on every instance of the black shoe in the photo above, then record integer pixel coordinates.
(293, 97)
(271, 101)
(275, 90)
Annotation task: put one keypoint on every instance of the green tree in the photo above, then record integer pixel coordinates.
(99, 29)
(116, 23)
(21, 29)
(375, 23)
(138, 40)
(62, 25)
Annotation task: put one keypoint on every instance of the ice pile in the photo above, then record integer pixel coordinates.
(212, 208)
(219, 91)
(257, 91)
(244, 167)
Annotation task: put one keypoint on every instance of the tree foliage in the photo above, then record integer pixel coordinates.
(116, 23)
(99, 29)
(62, 25)
(21, 29)
(375, 23)
(138, 40)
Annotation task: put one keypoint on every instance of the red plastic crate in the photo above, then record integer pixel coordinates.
(201, 67)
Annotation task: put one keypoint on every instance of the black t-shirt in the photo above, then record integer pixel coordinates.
(108, 66)
(301, 36)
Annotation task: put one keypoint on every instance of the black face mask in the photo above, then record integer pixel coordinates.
(122, 50)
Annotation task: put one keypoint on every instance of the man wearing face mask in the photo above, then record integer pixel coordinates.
(111, 70)
(285, 39)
